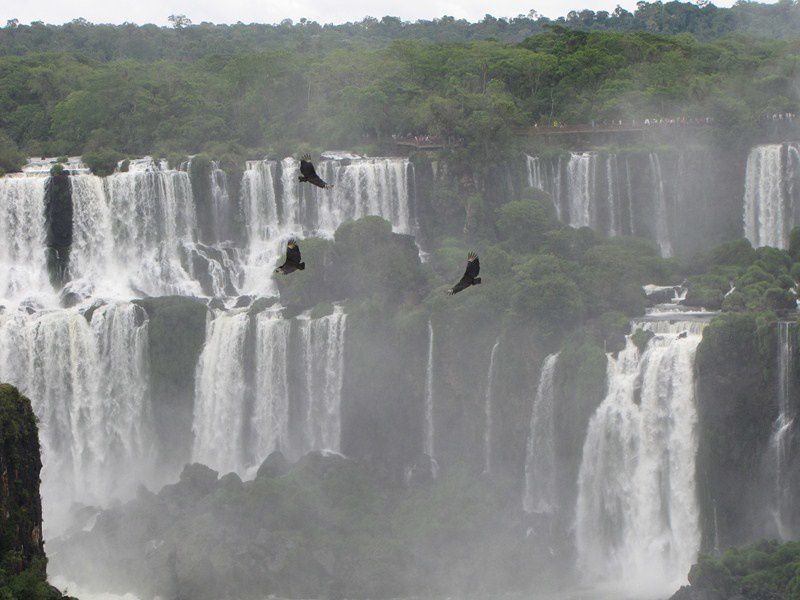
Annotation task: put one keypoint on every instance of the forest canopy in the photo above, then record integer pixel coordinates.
(262, 89)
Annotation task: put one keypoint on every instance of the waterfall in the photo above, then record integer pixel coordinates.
(783, 424)
(88, 387)
(660, 207)
(323, 356)
(580, 189)
(487, 410)
(220, 203)
(23, 270)
(637, 516)
(276, 206)
(220, 391)
(429, 429)
(588, 189)
(244, 389)
(772, 182)
(153, 213)
(545, 176)
(129, 230)
(270, 423)
(613, 196)
(540, 459)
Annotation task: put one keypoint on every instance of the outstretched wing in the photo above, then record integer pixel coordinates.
(473, 267)
(310, 173)
(293, 252)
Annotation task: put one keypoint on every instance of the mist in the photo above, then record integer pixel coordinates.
(541, 344)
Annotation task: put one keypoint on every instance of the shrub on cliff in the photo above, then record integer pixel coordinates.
(102, 162)
(761, 571)
(11, 159)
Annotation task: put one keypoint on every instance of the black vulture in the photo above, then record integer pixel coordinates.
(309, 174)
(293, 260)
(470, 275)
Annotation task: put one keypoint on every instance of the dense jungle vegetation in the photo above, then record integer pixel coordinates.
(262, 89)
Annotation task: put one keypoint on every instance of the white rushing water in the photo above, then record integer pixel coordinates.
(220, 394)
(661, 206)
(270, 422)
(23, 268)
(637, 515)
(588, 189)
(772, 184)
(429, 431)
(88, 387)
(488, 400)
(783, 425)
(242, 400)
(595, 189)
(540, 458)
(323, 357)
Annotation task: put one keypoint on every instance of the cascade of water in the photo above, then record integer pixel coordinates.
(637, 516)
(429, 431)
(660, 206)
(220, 390)
(629, 190)
(323, 352)
(88, 387)
(487, 410)
(270, 422)
(784, 423)
(23, 270)
(614, 200)
(765, 200)
(581, 188)
(153, 213)
(540, 460)
(239, 420)
(221, 203)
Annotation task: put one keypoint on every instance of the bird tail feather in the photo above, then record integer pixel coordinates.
(476, 281)
(301, 266)
(303, 179)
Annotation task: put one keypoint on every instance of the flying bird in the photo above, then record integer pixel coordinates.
(293, 259)
(309, 174)
(470, 275)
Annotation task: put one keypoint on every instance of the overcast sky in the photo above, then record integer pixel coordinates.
(273, 11)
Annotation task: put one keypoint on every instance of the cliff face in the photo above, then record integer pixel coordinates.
(22, 559)
(20, 463)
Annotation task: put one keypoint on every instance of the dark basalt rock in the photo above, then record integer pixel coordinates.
(199, 478)
(243, 301)
(275, 465)
(216, 304)
(20, 464)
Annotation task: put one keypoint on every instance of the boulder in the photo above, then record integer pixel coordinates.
(275, 465)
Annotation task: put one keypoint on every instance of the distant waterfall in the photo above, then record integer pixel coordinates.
(323, 357)
(88, 386)
(580, 189)
(772, 187)
(429, 426)
(270, 422)
(220, 393)
(221, 203)
(487, 410)
(783, 424)
(23, 270)
(637, 516)
(661, 207)
(540, 459)
(588, 189)
(245, 388)
(365, 186)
